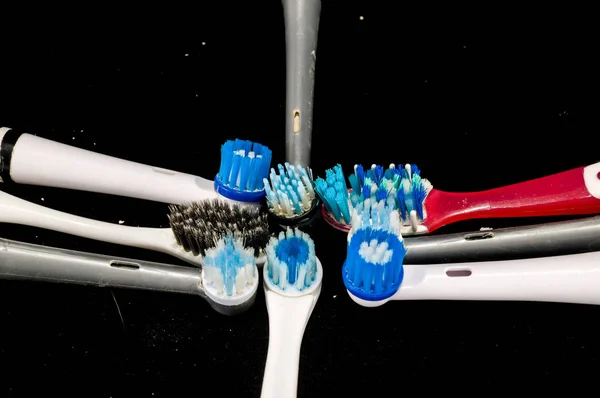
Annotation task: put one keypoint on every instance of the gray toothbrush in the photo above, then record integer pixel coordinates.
(301, 32)
(25, 261)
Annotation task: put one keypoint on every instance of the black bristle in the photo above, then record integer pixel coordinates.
(198, 226)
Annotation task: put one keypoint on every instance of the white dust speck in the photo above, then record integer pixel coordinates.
(203, 43)
(121, 221)
(186, 55)
(73, 137)
(81, 131)
(42, 199)
(361, 18)
(464, 46)
(425, 81)
(485, 229)
(335, 295)
(94, 143)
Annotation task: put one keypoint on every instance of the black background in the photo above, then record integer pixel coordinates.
(478, 96)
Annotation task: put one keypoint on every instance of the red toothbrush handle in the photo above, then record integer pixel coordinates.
(573, 192)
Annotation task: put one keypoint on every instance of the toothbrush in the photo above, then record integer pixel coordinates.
(292, 279)
(185, 240)
(301, 33)
(28, 159)
(425, 209)
(570, 278)
(291, 198)
(25, 261)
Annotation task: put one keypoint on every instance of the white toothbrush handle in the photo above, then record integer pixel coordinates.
(288, 317)
(571, 278)
(39, 161)
(18, 211)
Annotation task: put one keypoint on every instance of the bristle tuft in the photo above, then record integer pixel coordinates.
(244, 165)
(198, 226)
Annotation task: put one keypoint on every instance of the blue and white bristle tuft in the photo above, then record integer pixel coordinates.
(373, 268)
(290, 193)
(291, 261)
(377, 215)
(229, 268)
(244, 165)
(333, 191)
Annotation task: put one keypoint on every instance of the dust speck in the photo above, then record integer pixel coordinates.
(42, 199)
(121, 221)
(203, 43)
(335, 295)
(361, 18)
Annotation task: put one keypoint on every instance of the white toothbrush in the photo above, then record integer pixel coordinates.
(291, 294)
(572, 278)
(28, 159)
(18, 211)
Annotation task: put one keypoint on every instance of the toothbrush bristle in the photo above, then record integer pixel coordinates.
(289, 193)
(333, 191)
(399, 186)
(373, 268)
(244, 165)
(198, 226)
(291, 260)
(229, 267)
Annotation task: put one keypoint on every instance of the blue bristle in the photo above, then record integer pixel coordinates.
(360, 174)
(238, 170)
(333, 191)
(419, 194)
(366, 191)
(342, 202)
(378, 171)
(291, 260)
(401, 203)
(372, 277)
(230, 260)
(381, 194)
(414, 170)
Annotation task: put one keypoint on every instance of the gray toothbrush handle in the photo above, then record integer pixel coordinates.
(25, 261)
(301, 32)
(562, 237)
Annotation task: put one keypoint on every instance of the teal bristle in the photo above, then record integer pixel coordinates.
(333, 191)
(291, 260)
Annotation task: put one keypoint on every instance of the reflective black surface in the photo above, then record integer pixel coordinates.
(477, 97)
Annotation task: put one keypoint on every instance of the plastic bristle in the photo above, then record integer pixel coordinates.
(197, 226)
(290, 196)
(373, 268)
(291, 260)
(244, 165)
(229, 267)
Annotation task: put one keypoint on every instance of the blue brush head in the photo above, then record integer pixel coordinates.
(229, 269)
(373, 268)
(244, 166)
(291, 261)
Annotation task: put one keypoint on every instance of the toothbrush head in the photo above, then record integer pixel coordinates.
(333, 191)
(291, 197)
(401, 187)
(292, 268)
(244, 166)
(230, 276)
(373, 271)
(198, 226)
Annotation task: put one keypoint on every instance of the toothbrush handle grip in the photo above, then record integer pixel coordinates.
(39, 161)
(301, 33)
(570, 278)
(25, 261)
(287, 321)
(15, 210)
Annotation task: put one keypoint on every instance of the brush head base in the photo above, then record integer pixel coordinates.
(237, 195)
(302, 220)
(232, 304)
(370, 297)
